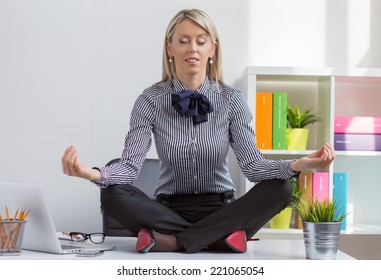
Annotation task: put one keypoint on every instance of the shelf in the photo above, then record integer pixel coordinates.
(359, 153)
(286, 152)
(362, 229)
(307, 152)
(293, 233)
(331, 92)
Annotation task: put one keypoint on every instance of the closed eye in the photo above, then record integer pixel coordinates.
(183, 41)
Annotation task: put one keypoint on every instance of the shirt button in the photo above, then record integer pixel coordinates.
(195, 192)
(195, 177)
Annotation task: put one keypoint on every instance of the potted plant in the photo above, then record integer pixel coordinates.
(297, 120)
(321, 227)
(282, 220)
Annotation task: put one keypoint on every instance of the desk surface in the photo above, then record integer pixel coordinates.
(125, 249)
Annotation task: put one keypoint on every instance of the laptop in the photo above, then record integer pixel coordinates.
(40, 233)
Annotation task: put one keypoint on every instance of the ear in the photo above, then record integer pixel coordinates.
(213, 49)
(169, 49)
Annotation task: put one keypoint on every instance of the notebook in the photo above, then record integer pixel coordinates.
(40, 233)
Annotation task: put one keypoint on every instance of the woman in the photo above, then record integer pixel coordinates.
(194, 117)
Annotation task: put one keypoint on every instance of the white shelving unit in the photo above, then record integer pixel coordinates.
(331, 92)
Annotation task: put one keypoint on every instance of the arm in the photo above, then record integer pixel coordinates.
(137, 144)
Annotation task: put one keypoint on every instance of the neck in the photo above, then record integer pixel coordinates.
(191, 82)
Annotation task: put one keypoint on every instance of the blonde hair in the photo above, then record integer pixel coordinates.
(213, 71)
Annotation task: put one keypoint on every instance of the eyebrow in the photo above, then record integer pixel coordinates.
(186, 35)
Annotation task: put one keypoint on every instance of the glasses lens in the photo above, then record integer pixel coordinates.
(77, 236)
(97, 237)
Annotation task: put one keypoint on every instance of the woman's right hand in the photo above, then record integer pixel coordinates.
(73, 166)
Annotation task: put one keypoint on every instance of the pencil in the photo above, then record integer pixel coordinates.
(15, 215)
(26, 215)
(6, 212)
(2, 230)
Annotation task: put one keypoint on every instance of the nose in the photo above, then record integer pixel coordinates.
(193, 47)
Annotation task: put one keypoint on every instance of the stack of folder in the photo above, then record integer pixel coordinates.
(357, 133)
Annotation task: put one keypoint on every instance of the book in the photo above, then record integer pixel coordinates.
(357, 125)
(313, 185)
(305, 184)
(305, 187)
(320, 186)
(357, 142)
(279, 121)
(263, 120)
(340, 190)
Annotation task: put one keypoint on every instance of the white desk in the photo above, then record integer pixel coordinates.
(125, 250)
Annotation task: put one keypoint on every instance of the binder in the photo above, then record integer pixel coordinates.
(279, 121)
(263, 120)
(340, 191)
(320, 186)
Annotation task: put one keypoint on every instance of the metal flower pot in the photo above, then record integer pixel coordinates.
(321, 240)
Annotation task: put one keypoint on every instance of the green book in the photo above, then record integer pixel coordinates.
(279, 120)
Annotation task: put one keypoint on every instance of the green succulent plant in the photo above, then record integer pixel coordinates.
(300, 119)
(296, 192)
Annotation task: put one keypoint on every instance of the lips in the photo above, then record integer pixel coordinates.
(192, 59)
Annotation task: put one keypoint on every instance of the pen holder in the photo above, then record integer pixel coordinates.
(11, 235)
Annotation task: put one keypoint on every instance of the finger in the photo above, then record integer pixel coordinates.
(71, 162)
(318, 154)
(326, 154)
(332, 150)
(66, 165)
(63, 160)
(329, 152)
(77, 165)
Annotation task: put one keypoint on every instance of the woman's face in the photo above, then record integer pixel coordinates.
(190, 48)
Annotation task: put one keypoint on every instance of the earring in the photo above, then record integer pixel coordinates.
(211, 61)
(170, 60)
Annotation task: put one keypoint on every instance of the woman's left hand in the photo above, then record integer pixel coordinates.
(320, 160)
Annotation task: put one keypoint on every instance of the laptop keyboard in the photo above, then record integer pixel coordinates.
(66, 247)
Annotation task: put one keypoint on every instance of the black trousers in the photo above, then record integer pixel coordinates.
(197, 220)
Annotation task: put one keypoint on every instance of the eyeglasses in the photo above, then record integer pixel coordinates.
(96, 237)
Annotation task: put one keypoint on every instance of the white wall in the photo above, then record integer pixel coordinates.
(317, 33)
(70, 71)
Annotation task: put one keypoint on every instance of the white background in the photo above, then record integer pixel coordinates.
(70, 71)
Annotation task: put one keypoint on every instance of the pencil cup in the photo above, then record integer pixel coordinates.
(11, 235)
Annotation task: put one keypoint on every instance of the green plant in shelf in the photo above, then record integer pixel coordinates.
(300, 119)
(296, 192)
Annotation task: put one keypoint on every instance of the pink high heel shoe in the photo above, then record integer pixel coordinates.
(145, 241)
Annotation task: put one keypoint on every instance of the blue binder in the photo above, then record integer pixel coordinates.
(340, 189)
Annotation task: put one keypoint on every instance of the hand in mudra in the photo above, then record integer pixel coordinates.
(320, 160)
(73, 166)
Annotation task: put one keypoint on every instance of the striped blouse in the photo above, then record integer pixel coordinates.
(194, 158)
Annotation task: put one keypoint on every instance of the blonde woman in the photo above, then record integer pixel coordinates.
(194, 118)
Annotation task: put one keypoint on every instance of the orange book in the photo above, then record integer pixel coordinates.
(305, 186)
(264, 120)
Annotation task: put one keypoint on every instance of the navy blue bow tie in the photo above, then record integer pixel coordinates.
(190, 103)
